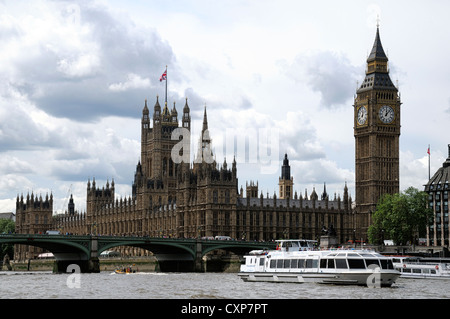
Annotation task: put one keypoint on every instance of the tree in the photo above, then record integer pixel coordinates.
(6, 226)
(400, 217)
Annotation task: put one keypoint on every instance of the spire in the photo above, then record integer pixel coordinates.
(377, 52)
(377, 71)
(145, 110)
(324, 194)
(205, 121)
(286, 169)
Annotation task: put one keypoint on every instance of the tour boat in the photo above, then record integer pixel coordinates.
(416, 267)
(298, 261)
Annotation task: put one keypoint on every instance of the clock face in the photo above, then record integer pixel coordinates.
(386, 114)
(362, 115)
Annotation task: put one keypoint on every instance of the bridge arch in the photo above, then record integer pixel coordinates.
(153, 246)
(50, 242)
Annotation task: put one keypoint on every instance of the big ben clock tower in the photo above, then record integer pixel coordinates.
(377, 131)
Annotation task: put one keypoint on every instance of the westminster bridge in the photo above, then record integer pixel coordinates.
(85, 250)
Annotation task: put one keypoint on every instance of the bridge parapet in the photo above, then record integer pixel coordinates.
(85, 250)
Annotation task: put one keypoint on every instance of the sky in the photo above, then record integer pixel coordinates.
(74, 77)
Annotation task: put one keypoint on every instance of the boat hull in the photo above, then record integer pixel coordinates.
(370, 279)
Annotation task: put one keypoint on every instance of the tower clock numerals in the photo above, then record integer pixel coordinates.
(386, 114)
(362, 115)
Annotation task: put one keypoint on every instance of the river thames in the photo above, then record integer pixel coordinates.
(153, 285)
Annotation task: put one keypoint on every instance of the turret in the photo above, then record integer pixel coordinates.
(145, 118)
(157, 113)
(186, 116)
(174, 114)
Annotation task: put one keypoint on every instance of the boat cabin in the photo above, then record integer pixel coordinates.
(296, 244)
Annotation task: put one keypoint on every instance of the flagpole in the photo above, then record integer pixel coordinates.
(166, 86)
(429, 152)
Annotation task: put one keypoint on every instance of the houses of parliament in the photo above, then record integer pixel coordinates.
(203, 199)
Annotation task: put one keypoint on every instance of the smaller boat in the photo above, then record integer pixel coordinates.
(125, 271)
(421, 267)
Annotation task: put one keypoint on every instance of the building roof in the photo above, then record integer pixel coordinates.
(377, 79)
(8, 215)
(440, 179)
(377, 52)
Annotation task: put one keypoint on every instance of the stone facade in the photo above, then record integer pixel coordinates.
(199, 200)
(33, 216)
(377, 132)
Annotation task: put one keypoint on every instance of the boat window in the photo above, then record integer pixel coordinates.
(273, 263)
(352, 255)
(407, 270)
(315, 263)
(261, 261)
(341, 263)
(330, 263)
(301, 263)
(310, 263)
(294, 263)
(280, 263)
(386, 264)
(356, 263)
(372, 262)
(367, 255)
(341, 255)
(287, 263)
(433, 271)
(416, 270)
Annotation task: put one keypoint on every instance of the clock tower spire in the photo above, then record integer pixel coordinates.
(377, 132)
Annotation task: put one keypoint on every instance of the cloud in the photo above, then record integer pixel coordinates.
(134, 81)
(328, 73)
(81, 61)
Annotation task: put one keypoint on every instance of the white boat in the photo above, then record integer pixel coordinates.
(417, 267)
(297, 261)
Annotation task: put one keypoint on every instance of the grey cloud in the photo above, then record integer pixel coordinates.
(329, 74)
(50, 77)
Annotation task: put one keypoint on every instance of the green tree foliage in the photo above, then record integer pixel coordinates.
(6, 226)
(400, 217)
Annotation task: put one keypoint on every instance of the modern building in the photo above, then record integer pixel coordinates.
(438, 189)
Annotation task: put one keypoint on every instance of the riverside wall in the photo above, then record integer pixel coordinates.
(142, 264)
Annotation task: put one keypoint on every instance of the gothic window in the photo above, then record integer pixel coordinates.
(215, 197)
(36, 219)
(170, 167)
(227, 196)
(164, 166)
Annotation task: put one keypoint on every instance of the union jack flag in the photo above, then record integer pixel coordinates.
(163, 76)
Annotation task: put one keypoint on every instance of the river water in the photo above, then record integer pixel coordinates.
(108, 285)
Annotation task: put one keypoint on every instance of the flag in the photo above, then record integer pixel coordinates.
(163, 76)
(428, 151)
